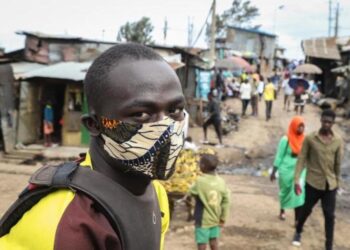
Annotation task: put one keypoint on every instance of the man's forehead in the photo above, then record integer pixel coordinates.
(142, 73)
(137, 81)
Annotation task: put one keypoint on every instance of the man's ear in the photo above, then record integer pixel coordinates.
(90, 124)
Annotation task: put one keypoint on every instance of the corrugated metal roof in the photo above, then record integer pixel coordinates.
(343, 40)
(256, 31)
(20, 68)
(47, 36)
(325, 48)
(341, 69)
(174, 61)
(74, 71)
(42, 35)
(345, 48)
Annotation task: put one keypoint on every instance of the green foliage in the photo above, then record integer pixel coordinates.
(241, 13)
(139, 32)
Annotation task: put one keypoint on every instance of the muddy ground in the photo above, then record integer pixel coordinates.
(253, 221)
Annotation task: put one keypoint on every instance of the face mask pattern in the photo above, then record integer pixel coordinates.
(150, 149)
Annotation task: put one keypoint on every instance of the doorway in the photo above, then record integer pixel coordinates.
(53, 94)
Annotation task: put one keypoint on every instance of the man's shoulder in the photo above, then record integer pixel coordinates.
(311, 135)
(41, 220)
(337, 136)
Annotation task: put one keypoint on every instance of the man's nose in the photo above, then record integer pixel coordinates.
(160, 116)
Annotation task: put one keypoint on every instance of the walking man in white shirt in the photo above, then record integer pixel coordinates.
(246, 92)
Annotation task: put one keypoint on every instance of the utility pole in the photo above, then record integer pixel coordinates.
(212, 34)
(189, 32)
(103, 34)
(329, 17)
(336, 27)
(165, 30)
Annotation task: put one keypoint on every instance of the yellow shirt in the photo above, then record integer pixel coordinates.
(45, 216)
(269, 92)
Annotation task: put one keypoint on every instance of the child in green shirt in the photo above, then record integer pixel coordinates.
(212, 203)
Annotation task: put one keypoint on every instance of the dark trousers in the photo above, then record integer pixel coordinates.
(254, 102)
(328, 199)
(268, 109)
(217, 125)
(245, 103)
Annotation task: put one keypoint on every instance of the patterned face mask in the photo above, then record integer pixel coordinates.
(150, 149)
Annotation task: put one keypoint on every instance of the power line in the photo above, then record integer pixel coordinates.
(202, 28)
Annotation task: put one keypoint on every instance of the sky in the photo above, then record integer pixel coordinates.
(296, 20)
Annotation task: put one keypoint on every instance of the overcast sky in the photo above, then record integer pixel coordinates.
(297, 20)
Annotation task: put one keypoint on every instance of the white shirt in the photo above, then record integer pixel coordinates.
(187, 121)
(288, 90)
(246, 91)
(261, 87)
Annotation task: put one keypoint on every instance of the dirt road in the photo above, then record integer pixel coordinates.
(253, 222)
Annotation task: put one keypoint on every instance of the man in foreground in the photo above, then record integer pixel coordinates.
(109, 201)
(321, 155)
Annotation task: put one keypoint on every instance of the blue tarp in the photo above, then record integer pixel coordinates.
(203, 79)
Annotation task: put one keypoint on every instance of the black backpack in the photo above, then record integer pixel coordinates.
(142, 214)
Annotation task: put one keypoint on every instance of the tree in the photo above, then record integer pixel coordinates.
(239, 14)
(139, 32)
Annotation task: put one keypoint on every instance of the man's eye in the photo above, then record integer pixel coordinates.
(177, 114)
(141, 116)
(176, 111)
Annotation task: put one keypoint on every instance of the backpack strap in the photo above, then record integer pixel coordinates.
(25, 202)
(129, 222)
(44, 181)
(57, 176)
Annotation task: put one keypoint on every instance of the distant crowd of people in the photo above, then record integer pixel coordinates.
(251, 88)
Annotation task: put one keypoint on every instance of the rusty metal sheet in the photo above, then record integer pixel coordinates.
(74, 71)
(325, 48)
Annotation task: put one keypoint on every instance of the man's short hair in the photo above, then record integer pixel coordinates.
(98, 74)
(210, 161)
(328, 113)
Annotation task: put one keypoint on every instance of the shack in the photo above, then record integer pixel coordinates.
(324, 53)
(7, 109)
(61, 85)
(51, 68)
(253, 43)
(50, 49)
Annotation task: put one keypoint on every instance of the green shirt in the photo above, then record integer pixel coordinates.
(213, 199)
(322, 161)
